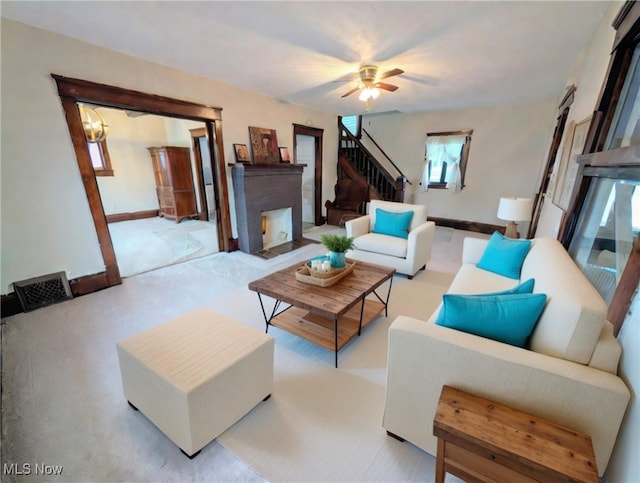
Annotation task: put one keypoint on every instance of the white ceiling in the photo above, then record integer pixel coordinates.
(455, 53)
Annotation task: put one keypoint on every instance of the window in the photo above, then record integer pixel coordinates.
(100, 158)
(445, 159)
(604, 236)
(353, 123)
(601, 229)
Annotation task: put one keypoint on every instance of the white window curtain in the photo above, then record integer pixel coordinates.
(442, 152)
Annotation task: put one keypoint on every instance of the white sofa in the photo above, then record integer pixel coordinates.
(408, 255)
(567, 376)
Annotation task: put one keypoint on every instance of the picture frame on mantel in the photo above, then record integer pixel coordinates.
(242, 153)
(284, 155)
(264, 145)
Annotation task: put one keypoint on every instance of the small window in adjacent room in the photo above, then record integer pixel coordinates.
(353, 123)
(445, 159)
(100, 158)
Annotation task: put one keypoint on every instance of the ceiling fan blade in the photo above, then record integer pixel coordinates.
(350, 77)
(390, 73)
(355, 89)
(386, 87)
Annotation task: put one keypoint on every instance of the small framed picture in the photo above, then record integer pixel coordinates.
(242, 153)
(284, 155)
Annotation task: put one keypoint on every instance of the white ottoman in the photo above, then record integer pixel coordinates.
(196, 375)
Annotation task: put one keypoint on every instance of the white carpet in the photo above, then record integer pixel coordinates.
(151, 243)
(322, 423)
(62, 401)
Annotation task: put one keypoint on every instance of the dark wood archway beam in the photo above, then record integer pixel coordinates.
(118, 97)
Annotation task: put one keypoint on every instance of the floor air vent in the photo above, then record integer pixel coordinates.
(41, 291)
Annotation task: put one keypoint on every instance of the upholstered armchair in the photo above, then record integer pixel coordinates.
(393, 234)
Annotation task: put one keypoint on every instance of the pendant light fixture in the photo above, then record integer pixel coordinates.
(95, 128)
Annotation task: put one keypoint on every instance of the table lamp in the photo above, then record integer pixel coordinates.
(513, 210)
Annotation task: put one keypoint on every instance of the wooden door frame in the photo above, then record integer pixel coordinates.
(563, 114)
(72, 91)
(197, 133)
(300, 129)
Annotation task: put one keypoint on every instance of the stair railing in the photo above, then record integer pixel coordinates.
(384, 184)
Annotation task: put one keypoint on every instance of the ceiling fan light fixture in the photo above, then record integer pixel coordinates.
(369, 93)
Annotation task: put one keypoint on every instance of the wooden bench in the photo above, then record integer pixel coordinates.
(480, 440)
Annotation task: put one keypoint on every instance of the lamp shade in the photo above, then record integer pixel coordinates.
(515, 209)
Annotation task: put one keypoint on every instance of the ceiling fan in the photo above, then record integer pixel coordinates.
(370, 84)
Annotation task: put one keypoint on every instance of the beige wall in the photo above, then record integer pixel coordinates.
(46, 222)
(508, 145)
(132, 188)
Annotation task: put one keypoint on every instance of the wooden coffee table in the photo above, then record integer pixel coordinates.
(327, 316)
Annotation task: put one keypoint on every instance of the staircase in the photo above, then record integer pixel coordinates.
(356, 162)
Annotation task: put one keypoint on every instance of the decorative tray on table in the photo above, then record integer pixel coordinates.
(314, 274)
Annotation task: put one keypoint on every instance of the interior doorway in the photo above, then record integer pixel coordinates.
(305, 154)
(308, 150)
(206, 188)
(143, 235)
(72, 91)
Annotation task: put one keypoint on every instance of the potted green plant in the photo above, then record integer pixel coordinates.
(337, 245)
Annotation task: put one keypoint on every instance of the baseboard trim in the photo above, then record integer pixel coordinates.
(473, 226)
(89, 283)
(10, 305)
(136, 215)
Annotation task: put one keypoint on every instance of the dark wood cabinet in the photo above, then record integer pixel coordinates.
(174, 182)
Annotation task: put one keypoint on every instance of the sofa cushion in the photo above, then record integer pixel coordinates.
(573, 319)
(419, 212)
(506, 318)
(382, 244)
(504, 256)
(393, 224)
(473, 280)
(524, 287)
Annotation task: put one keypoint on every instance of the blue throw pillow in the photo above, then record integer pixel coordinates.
(524, 287)
(504, 256)
(394, 224)
(505, 318)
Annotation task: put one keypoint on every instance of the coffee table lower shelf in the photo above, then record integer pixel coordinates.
(321, 330)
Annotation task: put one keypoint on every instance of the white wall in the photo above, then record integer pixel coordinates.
(46, 221)
(132, 187)
(508, 145)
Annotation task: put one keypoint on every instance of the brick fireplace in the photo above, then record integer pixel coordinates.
(261, 188)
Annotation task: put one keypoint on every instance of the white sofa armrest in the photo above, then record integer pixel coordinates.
(423, 357)
(358, 226)
(472, 249)
(419, 244)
